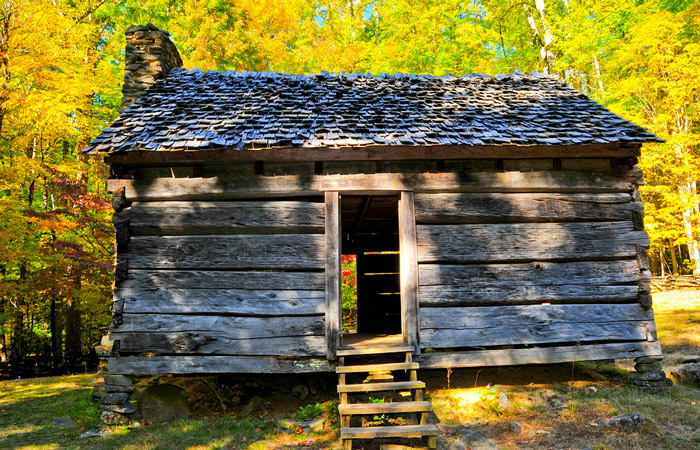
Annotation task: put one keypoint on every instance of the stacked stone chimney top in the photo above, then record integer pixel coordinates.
(150, 55)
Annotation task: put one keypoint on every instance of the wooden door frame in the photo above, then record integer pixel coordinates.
(334, 295)
(408, 268)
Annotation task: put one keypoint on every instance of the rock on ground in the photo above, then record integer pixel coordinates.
(627, 422)
(503, 402)
(688, 373)
(115, 398)
(301, 391)
(515, 427)
(163, 403)
(688, 359)
(63, 422)
(472, 440)
(112, 418)
(126, 408)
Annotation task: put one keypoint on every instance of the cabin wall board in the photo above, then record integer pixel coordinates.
(524, 207)
(228, 252)
(244, 302)
(242, 217)
(478, 243)
(529, 283)
(213, 364)
(492, 326)
(238, 187)
(220, 343)
(216, 279)
(539, 355)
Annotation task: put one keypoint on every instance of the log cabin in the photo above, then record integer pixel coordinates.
(496, 220)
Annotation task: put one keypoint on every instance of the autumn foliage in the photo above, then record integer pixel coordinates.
(349, 292)
(61, 67)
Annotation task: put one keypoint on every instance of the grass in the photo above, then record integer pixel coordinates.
(556, 406)
(566, 410)
(677, 315)
(28, 407)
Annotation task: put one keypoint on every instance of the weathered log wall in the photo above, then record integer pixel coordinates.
(517, 277)
(223, 270)
(227, 284)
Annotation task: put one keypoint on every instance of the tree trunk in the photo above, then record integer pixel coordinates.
(596, 66)
(542, 36)
(17, 336)
(5, 75)
(690, 190)
(3, 342)
(73, 326)
(674, 260)
(662, 259)
(55, 324)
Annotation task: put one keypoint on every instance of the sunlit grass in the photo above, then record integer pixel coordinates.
(677, 315)
(40, 447)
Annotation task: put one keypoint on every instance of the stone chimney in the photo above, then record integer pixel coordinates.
(150, 55)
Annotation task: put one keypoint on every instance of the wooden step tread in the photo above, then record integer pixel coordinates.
(376, 367)
(375, 387)
(395, 431)
(383, 408)
(348, 350)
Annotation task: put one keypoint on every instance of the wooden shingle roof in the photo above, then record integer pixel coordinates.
(195, 110)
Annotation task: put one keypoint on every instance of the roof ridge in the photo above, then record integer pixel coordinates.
(356, 75)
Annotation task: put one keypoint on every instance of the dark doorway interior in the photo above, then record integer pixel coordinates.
(371, 231)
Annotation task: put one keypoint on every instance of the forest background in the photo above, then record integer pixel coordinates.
(61, 70)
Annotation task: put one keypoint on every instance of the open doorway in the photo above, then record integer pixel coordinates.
(370, 248)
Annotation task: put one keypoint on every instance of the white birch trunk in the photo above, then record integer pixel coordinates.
(690, 190)
(596, 66)
(542, 34)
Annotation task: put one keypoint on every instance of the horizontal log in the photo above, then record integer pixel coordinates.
(538, 355)
(235, 327)
(590, 281)
(147, 365)
(453, 327)
(528, 242)
(485, 292)
(293, 186)
(377, 152)
(457, 318)
(273, 251)
(498, 335)
(218, 343)
(496, 207)
(245, 302)
(177, 218)
(202, 279)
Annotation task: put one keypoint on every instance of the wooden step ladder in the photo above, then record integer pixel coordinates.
(353, 401)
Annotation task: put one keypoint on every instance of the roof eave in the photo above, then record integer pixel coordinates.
(376, 153)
